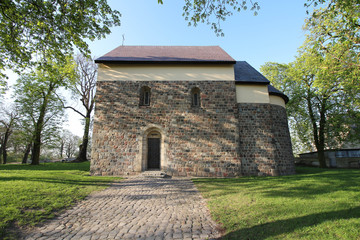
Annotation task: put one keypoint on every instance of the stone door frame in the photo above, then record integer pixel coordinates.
(144, 148)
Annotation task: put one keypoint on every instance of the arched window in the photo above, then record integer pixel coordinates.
(195, 97)
(145, 96)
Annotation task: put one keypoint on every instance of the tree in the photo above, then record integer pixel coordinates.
(36, 94)
(84, 88)
(28, 27)
(334, 27)
(71, 144)
(323, 82)
(323, 102)
(8, 121)
(213, 12)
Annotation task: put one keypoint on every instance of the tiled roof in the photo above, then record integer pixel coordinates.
(245, 73)
(163, 54)
(273, 91)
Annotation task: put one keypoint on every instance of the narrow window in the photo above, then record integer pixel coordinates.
(195, 97)
(145, 96)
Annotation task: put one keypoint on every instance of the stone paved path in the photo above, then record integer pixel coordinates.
(156, 208)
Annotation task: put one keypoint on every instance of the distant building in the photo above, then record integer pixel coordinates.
(187, 111)
(341, 158)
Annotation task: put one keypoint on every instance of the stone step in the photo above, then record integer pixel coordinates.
(153, 174)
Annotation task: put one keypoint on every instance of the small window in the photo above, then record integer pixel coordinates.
(195, 97)
(145, 96)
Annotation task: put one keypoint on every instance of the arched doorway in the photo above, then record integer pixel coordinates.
(153, 150)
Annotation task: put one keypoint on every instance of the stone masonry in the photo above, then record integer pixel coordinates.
(219, 139)
(197, 141)
(265, 147)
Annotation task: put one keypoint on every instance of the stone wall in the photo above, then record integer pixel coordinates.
(219, 139)
(195, 141)
(264, 140)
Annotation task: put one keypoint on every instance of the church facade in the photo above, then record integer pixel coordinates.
(187, 111)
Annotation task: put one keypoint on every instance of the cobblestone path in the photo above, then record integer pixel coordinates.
(156, 208)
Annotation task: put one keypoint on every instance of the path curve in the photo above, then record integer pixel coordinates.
(150, 208)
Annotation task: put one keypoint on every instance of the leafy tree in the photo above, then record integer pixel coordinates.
(84, 88)
(67, 143)
(337, 26)
(323, 82)
(8, 122)
(36, 94)
(71, 144)
(323, 103)
(28, 27)
(213, 12)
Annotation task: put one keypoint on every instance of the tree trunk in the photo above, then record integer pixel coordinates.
(61, 149)
(318, 132)
(3, 146)
(26, 154)
(321, 145)
(1, 149)
(83, 147)
(35, 157)
(321, 158)
(4, 153)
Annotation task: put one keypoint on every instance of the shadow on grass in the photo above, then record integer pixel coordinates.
(310, 182)
(90, 182)
(57, 166)
(264, 231)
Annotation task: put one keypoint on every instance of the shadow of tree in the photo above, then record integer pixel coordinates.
(55, 166)
(72, 181)
(264, 231)
(292, 186)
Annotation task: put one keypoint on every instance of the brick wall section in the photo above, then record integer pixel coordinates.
(264, 140)
(200, 141)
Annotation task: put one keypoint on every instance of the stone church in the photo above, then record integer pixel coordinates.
(187, 111)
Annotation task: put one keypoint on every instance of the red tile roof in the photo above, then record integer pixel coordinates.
(172, 54)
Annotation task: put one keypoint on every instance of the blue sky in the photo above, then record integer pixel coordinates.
(273, 35)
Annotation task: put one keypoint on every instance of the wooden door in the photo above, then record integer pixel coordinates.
(153, 153)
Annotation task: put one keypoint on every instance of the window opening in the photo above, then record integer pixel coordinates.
(145, 96)
(195, 97)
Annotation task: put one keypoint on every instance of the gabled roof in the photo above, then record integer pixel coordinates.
(245, 73)
(166, 54)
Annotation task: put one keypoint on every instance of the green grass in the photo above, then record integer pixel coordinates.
(314, 204)
(31, 194)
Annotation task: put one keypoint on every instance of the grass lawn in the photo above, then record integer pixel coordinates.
(314, 204)
(30, 194)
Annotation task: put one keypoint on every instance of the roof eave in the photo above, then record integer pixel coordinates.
(161, 62)
(251, 82)
(283, 96)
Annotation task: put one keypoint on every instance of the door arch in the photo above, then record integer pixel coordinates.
(153, 150)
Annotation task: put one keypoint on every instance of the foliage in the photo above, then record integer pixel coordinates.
(323, 102)
(41, 190)
(214, 12)
(71, 146)
(336, 27)
(37, 96)
(314, 204)
(30, 27)
(9, 117)
(323, 83)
